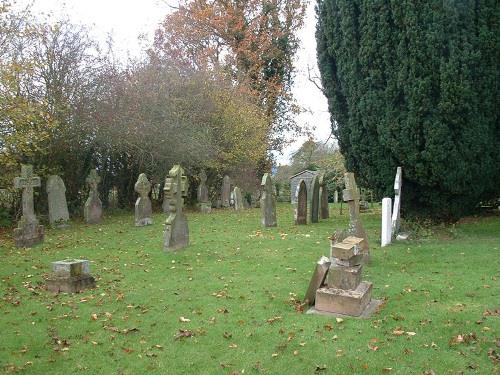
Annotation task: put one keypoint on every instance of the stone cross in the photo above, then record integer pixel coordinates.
(143, 211)
(351, 195)
(93, 180)
(176, 226)
(268, 202)
(396, 218)
(27, 182)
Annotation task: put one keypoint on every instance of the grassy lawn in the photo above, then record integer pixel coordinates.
(236, 289)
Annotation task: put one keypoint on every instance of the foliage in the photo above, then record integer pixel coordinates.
(252, 41)
(417, 86)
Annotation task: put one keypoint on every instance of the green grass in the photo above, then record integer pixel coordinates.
(237, 284)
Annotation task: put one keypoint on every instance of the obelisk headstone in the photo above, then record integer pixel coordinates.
(226, 191)
(93, 205)
(28, 231)
(268, 202)
(238, 199)
(314, 212)
(203, 199)
(386, 235)
(351, 196)
(58, 207)
(396, 218)
(300, 209)
(143, 210)
(176, 226)
(324, 212)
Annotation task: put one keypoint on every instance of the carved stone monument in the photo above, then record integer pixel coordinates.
(28, 231)
(143, 210)
(314, 212)
(176, 226)
(203, 199)
(58, 207)
(238, 199)
(70, 276)
(268, 202)
(351, 196)
(396, 218)
(324, 212)
(93, 205)
(300, 210)
(226, 192)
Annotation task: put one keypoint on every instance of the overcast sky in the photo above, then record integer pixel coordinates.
(125, 20)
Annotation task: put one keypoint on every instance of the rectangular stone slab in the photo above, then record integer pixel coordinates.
(351, 262)
(347, 302)
(344, 250)
(342, 277)
(70, 284)
(71, 267)
(317, 279)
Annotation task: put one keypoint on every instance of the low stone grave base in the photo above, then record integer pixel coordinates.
(29, 235)
(347, 302)
(369, 310)
(73, 284)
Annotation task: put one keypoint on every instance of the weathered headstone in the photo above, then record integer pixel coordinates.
(238, 199)
(226, 191)
(314, 211)
(396, 218)
(203, 199)
(351, 196)
(336, 196)
(58, 207)
(176, 226)
(323, 198)
(70, 276)
(386, 222)
(143, 210)
(28, 231)
(93, 205)
(268, 202)
(300, 210)
(317, 280)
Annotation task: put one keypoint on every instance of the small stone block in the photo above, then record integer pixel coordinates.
(347, 302)
(356, 241)
(72, 284)
(351, 262)
(342, 277)
(70, 268)
(317, 279)
(344, 250)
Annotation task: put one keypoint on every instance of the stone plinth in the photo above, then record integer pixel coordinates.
(344, 301)
(342, 277)
(70, 276)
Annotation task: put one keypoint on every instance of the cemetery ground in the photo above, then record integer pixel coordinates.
(230, 302)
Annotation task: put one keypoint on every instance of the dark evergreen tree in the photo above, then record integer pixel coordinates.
(416, 84)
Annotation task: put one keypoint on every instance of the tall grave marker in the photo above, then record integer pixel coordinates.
(176, 226)
(28, 231)
(143, 210)
(203, 199)
(93, 205)
(300, 212)
(226, 191)
(314, 199)
(268, 202)
(238, 199)
(396, 217)
(58, 207)
(386, 235)
(323, 198)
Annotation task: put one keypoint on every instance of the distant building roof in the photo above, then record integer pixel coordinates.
(304, 171)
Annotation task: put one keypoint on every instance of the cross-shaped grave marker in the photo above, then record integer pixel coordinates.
(176, 226)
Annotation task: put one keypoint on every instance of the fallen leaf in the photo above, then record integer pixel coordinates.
(184, 320)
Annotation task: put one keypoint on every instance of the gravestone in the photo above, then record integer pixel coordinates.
(268, 202)
(351, 195)
(226, 191)
(305, 175)
(386, 235)
(70, 276)
(238, 199)
(93, 205)
(323, 198)
(203, 200)
(314, 212)
(28, 231)
(396, 218)
(317, 280)
(143, 210)
(58, 207)
(176, 226)
(300, 211)
(335, 196)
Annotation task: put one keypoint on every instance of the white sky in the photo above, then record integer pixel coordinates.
(125, 20)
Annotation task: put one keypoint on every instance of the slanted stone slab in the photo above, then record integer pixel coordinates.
(176, 226)
(342, 277)
(28, 232)
(70, 276)
(300, 209)
(347, 302)
(268, 202)
(143, 210)
(317, 279)
(396, 218)
(93, 205)
(324, 211)
(58, 207)
(314, 212)
(386, 235)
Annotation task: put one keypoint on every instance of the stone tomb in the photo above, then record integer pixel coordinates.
(314, 212)
(143, 210)
(176, 226)
(93, 205)
(324, 212)
(58, 207)
(300, 212)
(342, 291)
(70, 276)
(268, 202)
(28, 231)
